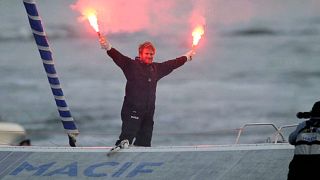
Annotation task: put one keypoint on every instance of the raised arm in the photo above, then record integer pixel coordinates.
(104, 43)
(293, 136)
(116, 56)
(167, 67)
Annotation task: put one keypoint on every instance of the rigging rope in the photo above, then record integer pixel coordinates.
(48, 63)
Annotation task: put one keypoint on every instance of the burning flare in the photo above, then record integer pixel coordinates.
(196, 34)
(91, 15)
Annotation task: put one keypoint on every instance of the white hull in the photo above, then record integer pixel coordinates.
(223, 162)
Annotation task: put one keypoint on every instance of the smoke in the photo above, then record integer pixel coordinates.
(198, 13)
(173, 20)
(153, 17)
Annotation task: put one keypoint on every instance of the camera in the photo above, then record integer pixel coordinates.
(303, 115)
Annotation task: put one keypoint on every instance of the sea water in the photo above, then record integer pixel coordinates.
(263, 68)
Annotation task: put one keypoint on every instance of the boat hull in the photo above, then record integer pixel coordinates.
(223, 162)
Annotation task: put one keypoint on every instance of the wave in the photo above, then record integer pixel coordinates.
(255, 32)
(60, 31)
(25, 34)
(65, 31)
(302, 76)
(272, 32)
(298, 27)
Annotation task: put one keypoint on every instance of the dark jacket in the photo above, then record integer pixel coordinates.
(142, 78)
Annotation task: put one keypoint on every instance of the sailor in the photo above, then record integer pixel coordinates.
(142, 76)
(306, 139)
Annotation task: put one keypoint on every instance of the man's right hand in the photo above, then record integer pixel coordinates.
(104, 43)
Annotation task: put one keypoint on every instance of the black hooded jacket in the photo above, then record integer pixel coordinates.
(142, 78)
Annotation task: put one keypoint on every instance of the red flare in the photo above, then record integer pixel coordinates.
(91, 15)
(197, 34)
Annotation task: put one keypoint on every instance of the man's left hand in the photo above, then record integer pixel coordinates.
(189, 54)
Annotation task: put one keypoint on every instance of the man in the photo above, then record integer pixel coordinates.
(306, 139)
(142, 75)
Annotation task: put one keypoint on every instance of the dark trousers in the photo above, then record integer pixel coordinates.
(303, 167)
(136, 124)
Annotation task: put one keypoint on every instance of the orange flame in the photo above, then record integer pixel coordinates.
(91, 15)
(196, 34)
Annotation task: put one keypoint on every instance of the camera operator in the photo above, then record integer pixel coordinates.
(306, 139)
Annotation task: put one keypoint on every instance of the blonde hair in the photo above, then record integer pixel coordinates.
(146, 45)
